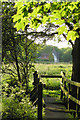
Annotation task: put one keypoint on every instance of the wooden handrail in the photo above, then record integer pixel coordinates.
(66, 92)
(70, 81)
(52, 76)
(70, 96)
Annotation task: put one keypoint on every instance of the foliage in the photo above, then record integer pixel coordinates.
(56, 12)
(65, 54)
(51, 93)
(16, 104)
(13, 109)
(18, 49)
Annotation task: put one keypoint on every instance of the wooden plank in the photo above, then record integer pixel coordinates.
(46, 76)
(61, 83)
(33, 93)
(70, 96)
(66, 92)
(62, 110)
(70, 81)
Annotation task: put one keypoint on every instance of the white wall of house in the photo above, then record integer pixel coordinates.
(56, 60)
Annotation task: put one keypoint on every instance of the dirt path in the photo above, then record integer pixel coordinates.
(55, 110)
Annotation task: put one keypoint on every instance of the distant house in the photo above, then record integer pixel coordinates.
(56, 56)
(45, 56)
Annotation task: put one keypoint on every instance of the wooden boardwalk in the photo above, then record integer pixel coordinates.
(55, 110)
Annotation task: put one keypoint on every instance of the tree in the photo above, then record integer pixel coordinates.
(18, 49)
(63, 15)
(65, 54)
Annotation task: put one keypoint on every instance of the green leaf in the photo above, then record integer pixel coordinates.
(36, 11)
(18, 4)
(44, 20)
(61, 30)
(72, 35)
(60, 22)
(17, 17)
(47, 7)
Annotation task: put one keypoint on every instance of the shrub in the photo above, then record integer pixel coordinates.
(16, 104)
(13, 109)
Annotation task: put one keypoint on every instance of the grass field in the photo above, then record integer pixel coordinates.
(53, 84)
(54, 69)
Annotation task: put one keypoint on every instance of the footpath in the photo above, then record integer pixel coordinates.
(55, 110)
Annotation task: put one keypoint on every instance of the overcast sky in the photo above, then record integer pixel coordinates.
(60, 44)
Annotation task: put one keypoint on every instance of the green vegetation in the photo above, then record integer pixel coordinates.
(18, 55)
(19, 50)
(51, 93)
(56, 18)
(53, 84)
(54, 69)
(64, 54)
(20, 110)
(16, 104)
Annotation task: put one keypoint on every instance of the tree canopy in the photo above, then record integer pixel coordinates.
(63, 15)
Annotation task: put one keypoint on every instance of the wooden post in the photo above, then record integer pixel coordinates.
(61, 90)
(65, 100)
(35, 78)
(40, 101)
(64, 85)
(68, 96)
(77, 106)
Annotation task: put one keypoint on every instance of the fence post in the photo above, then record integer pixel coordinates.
(61, 90)
(68, 96)
(77, 106)
(35, 78)
(64, 85)
(40, 101)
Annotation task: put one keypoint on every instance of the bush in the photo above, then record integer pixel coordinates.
(16, 104)
(15, 110)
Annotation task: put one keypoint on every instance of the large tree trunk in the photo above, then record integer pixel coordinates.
(76, 61)
(75, 70)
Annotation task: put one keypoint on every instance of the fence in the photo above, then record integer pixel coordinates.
(68, 95)
(36, 94)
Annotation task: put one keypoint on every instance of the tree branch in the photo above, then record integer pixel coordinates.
(71, 43)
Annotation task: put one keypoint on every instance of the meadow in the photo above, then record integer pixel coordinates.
(53, 84)
(54, 69)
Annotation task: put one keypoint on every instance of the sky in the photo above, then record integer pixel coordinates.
(54, 41)
(63, 44)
